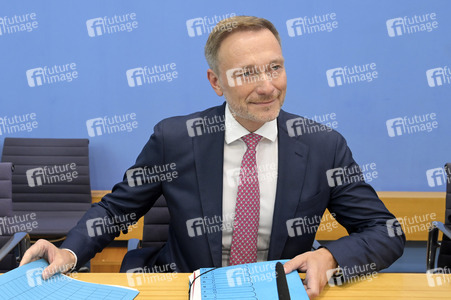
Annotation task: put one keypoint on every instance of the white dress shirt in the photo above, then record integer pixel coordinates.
(267, 163)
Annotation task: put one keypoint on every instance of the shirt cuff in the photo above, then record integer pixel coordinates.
(76, 259)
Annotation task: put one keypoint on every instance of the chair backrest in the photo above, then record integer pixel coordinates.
(444, 257)
(6, 211)
(156, 225)
(51, 180)
(448, 194)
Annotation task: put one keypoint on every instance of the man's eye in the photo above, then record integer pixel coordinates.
(246, 74)
(276, 67)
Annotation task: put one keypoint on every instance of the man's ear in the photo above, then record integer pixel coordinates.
(214, 81)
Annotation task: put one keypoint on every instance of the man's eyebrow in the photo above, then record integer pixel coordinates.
(279, 60)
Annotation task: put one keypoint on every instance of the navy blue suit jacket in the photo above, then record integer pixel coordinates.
(303, 191)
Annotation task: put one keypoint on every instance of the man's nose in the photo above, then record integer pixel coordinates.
(265, 85)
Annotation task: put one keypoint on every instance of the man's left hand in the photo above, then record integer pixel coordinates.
(315, 264)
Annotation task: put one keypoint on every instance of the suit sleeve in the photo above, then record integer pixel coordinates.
(370, 246)
(127, 202)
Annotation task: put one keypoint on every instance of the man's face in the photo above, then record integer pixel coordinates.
(252, 76)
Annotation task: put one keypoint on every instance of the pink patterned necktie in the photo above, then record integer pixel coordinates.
(247, 212)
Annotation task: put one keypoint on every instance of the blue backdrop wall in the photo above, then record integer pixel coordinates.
(376, 71)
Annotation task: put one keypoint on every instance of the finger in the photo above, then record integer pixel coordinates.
(35, 252)
(296, 263)
(313, 283)
(56, 261)
(305, 283)
(55, 267)
(49, 271)
(312, 292)
(28, 257)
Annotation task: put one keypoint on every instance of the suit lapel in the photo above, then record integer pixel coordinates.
(209, 157)
(292, 155)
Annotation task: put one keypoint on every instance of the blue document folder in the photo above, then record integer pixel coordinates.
(26, 283)
(256, 281)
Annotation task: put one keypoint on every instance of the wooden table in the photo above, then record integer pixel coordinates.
(383, 286)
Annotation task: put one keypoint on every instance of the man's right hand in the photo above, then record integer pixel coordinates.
(60, 260)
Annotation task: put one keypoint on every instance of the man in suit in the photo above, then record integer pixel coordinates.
(264, 176)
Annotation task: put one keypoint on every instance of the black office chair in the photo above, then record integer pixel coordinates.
(156, 227)
(43, 182)
(444, 257)
(13, 244)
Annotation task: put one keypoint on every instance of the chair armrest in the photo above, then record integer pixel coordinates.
(133, 244)
(433, 242)
(442, 228)
(19, 241)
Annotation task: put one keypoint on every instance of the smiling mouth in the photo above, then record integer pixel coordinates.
(264, 102)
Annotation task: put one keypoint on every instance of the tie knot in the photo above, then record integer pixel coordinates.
(251, 140)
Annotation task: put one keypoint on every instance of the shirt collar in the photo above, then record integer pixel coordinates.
(235, 131)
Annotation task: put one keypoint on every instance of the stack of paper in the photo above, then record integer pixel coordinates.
(26, 283)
